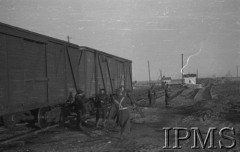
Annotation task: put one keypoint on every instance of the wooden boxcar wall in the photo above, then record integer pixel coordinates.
(32, 70)
(24, 75)
(106, 71)
(38, 71)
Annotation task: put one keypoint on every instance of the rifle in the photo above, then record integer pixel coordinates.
(135, 108)
(138, 110)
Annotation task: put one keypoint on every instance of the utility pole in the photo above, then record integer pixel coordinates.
(149, 75)
(197, 76)
(68, 38)
(182, 68)
(237, 71)
(237, 77)
(160, 74)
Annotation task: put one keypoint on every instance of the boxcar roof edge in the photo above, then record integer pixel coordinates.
(55, 40)
(108, 54)
(51, 39)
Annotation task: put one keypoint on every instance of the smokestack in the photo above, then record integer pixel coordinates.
(197, 76)
(149, 75)
(182, 68)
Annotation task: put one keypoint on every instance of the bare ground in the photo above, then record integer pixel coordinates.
(147, 133)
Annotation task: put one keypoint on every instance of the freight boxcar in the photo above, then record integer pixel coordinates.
(37, 74)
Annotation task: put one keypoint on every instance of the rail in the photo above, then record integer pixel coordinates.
(138, 95)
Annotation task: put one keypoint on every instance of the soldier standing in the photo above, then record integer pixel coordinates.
(151, 96)
(102, 101)
(120, 106)
(80, 107)
(166, 94)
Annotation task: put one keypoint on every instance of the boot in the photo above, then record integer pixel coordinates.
(104, 123)
(97, 124)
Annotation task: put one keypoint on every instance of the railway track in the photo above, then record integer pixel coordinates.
(21, 131)
(143, 94)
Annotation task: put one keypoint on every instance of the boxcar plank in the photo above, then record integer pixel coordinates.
(73, 69)
(56, 73)
(16, 58)
(90, 73)
(35, 72)
(3, 75)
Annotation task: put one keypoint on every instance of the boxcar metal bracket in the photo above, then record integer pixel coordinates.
(109, 74)
(130, 74)
(100, 65)
(70, 63)
(80, 58)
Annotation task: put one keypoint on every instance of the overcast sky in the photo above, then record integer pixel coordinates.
(141, 30)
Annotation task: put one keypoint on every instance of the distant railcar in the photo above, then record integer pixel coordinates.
(37, 74)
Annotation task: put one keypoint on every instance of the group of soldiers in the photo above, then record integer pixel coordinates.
(111, 107)
(114, 107)
(152, 94)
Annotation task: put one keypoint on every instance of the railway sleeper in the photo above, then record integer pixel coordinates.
(48, 115)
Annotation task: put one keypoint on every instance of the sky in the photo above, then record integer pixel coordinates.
(158, 31)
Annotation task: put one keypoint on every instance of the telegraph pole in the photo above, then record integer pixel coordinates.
(237, 77)
(182, 68)
(197, 76)
(160, 73)
(149, 75)
(237, 71)
(68, 38)
(160, 76)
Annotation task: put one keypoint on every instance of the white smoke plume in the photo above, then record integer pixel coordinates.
(188, 59)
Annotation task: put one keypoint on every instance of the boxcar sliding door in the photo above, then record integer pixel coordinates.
(75, 69)
(26, 74)
(35, 73)
(90, 73)
(56, 71)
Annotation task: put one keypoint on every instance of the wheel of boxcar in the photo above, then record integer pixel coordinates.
(63, 116)
(10, 121)
(43, 117)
